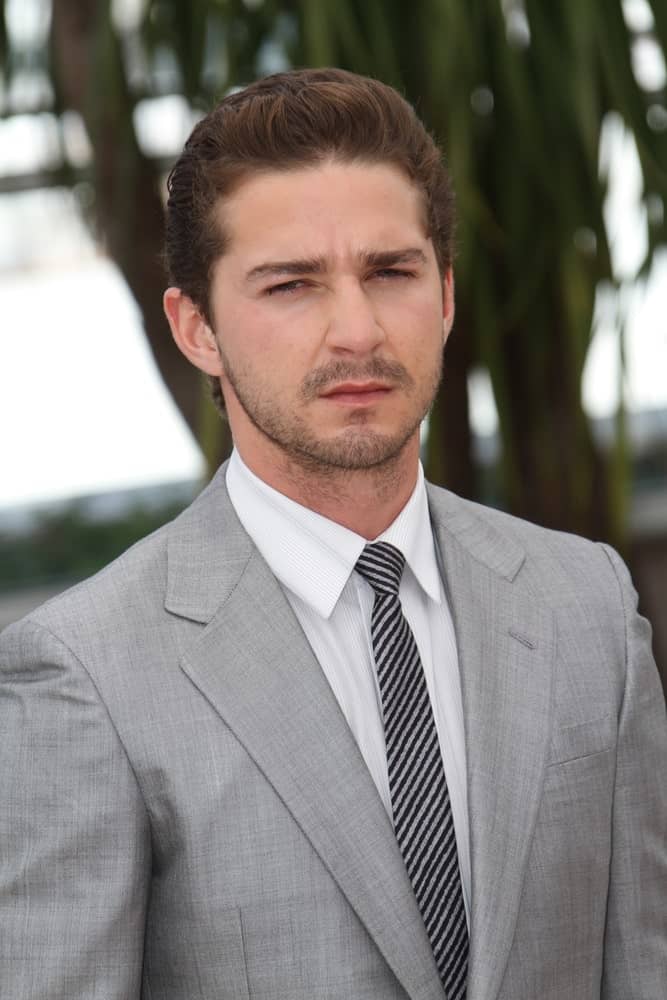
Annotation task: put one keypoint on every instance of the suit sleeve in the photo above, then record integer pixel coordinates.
(74, 833)
(635, 960)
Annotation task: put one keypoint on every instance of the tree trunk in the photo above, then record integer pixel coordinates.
(128, 205)
(558, 477)
(449, 453)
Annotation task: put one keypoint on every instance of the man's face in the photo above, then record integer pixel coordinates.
(330, 316)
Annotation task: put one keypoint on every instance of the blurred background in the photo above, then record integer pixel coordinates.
(553, 121)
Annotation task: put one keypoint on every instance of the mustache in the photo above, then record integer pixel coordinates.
(320, 379)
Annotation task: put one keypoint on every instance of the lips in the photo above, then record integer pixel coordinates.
(357, 390)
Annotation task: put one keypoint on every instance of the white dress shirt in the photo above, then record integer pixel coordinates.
(313, 558)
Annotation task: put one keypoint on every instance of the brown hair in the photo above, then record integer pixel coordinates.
(283, 122)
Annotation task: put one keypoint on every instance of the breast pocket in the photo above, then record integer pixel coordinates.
(584, 739)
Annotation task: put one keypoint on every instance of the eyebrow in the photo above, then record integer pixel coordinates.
(310, 265)
(389, 258)
(318, 265)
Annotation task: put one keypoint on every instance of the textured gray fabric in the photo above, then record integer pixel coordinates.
(184, 813)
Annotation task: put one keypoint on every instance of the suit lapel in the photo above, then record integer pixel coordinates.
(505, 647)
(273, 695)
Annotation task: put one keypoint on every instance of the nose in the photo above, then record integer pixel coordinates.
(352, 323)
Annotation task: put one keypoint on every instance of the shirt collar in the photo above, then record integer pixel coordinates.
(313, 556)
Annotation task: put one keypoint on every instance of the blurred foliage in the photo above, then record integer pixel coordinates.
(71, 544)
(517, 92)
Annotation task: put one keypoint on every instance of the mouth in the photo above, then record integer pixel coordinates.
(357, 393)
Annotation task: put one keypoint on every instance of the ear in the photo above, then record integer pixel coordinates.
(192, 334)
(448, 302)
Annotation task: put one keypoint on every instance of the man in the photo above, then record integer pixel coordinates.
(333, 733)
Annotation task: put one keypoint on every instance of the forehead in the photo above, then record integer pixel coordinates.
(323, 209)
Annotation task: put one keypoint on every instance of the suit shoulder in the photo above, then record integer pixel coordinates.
(127, 599)
(140, 570)
(561, 562)
(70, 623)
(445, 504)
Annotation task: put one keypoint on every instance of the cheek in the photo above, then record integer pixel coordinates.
(244, 337)
(420, 332)
(267, 351)
(418, 308)
(285, 341)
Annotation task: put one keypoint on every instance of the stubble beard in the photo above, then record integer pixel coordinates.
(358, 447)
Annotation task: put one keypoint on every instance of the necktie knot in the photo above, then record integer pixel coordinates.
(381, 565)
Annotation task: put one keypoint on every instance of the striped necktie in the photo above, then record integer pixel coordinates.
(422, 812)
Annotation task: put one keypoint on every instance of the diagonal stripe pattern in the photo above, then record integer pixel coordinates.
(420, 801)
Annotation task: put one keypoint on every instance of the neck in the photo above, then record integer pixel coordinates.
(365, 501)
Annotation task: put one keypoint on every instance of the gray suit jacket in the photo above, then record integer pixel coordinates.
(184, 814)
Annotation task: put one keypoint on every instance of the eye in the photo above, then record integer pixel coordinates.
(390, 273)
(286, 287)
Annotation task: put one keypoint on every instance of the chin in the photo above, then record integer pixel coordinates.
(353, 451)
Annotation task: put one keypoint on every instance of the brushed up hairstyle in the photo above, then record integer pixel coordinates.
(286, 122)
